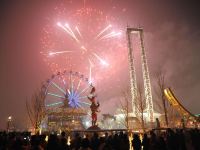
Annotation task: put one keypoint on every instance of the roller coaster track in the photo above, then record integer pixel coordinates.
(174, 102)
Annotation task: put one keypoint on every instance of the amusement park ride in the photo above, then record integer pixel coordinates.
(173, 101)
(70, 97)
(146, 78)
(183, 112)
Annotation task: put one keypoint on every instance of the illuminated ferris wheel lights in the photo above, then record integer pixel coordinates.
(56, 95)
(68, 91)
(53, 104)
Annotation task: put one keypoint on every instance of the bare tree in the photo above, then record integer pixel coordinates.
(140, 105)
(35, 109)
(172, 114)
(124, 109)
(161, 86)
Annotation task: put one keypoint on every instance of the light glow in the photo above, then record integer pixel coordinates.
(104, 30)
(59, 52)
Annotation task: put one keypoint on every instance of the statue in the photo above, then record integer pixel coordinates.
(94, 106)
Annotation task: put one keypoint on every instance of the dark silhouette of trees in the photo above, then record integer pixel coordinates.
(125, 110)
(160, 79)
(35, 109)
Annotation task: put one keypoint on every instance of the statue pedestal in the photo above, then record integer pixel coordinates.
(95, 127)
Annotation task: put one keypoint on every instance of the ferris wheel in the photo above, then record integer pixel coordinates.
(67, 89)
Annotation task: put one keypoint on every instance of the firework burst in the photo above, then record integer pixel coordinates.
(86, 40)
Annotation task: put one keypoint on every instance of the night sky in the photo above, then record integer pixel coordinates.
(172, 38)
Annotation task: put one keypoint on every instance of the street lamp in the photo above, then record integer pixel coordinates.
(9, 123)
(9, 118)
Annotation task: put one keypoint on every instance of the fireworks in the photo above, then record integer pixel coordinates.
(92, 38)
(100, 36)
(56, 53)
(103, 30)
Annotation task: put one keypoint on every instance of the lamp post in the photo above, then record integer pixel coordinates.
(9, 123)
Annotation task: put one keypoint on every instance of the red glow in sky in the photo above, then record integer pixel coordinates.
(82, 39)
(171, 42)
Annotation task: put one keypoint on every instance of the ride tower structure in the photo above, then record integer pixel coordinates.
(145, 72)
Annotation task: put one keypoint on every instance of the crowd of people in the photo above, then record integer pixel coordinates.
(169, 139)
